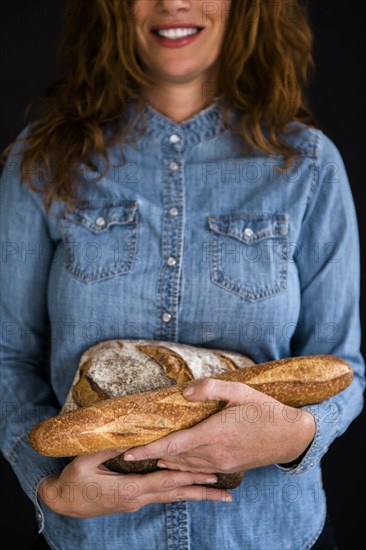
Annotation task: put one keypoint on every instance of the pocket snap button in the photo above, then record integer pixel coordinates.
(100, 222)
(248, 232)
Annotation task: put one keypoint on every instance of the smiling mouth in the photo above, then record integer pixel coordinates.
(177, 33)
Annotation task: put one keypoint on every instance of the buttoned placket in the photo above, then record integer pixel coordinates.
(175, 140)
(173, 146)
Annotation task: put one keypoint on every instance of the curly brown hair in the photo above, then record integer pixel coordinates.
(266, 63)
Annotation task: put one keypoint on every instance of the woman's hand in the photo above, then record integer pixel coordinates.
(85, 488)
(253, 430)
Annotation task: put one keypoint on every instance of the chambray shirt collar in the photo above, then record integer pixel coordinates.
(204, 125)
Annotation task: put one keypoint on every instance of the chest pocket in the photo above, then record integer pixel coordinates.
(100, 239)
(248, 254)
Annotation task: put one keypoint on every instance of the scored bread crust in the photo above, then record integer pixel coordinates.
(122, 367)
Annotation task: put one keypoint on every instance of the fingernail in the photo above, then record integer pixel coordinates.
(188, 391)
(211, 479)
(128, 457)
(161, 465)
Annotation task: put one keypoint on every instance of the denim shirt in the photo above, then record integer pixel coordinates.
(185, 239)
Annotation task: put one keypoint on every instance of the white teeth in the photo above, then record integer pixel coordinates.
(176, 33)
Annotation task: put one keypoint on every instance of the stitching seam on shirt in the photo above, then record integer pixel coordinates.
(314, 170)
(13, 452)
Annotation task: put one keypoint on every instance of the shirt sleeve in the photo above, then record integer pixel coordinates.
(328, 262)
(26, 394)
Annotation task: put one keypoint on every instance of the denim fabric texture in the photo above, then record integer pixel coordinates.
(186, 239)
(325, 541)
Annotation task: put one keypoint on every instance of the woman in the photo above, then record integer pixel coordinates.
(176, 187)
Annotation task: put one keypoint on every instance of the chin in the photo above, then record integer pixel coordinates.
(180, 73)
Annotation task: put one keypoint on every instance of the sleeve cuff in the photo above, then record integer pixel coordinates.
(326, 416)
(30, 468)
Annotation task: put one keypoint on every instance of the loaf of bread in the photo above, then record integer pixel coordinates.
(123, 367)
(117, 407)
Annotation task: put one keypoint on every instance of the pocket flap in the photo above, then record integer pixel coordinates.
(98, 216)
(249, 227)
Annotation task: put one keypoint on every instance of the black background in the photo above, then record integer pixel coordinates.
(29, 33)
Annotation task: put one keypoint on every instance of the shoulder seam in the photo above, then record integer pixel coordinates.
(314, 167)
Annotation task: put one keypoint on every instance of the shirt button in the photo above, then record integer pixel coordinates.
(171, 261)
(174, 138)
(173, 166)
(167, 317)
(173, 211)
(248, 232)
(100, 221)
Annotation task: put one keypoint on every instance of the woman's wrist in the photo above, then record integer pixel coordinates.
(305, 437)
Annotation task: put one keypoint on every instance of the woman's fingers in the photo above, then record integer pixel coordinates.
(170, 445)
(168, 486)
(193, 493)
(136, 491)
(182, 467)
(166, 480)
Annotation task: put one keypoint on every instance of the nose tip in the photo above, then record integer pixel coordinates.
(173, 6)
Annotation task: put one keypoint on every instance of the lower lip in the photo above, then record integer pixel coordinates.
(178, 43)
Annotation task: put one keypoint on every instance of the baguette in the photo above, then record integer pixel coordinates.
(141, 418)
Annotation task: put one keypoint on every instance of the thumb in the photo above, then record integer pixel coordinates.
(95, 461)
(219, 390)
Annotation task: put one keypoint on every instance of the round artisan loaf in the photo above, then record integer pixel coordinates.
(124, 367)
